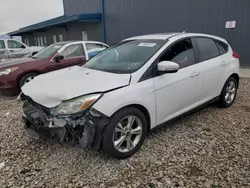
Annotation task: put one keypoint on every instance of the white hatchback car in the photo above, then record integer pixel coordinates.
(118, 96)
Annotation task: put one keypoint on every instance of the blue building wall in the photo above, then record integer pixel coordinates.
(81, 6)
(126, 18)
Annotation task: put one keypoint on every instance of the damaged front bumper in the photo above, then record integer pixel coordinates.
(84, 128)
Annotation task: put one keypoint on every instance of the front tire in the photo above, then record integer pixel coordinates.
(229, 92)
(125, 133)
(26, 79)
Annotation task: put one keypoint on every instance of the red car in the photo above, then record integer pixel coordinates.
(15, 73)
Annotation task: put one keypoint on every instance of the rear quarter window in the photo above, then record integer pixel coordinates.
(207, 48)
(223, 47)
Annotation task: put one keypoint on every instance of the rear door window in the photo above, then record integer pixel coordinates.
(207, 48)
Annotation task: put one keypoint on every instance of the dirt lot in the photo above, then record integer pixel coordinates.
(210, 148)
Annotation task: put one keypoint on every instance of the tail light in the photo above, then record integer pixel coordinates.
(236, 55)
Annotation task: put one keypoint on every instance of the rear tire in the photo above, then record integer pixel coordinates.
(125, 133)
(229, 93)
(26, 79)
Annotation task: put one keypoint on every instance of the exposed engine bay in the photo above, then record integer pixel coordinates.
(84, 128)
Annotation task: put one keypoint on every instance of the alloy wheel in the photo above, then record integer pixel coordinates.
(27, 80)
(230, 92)
(127, 134)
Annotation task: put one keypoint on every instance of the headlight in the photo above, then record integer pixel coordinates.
(75, 105)
(8, 71)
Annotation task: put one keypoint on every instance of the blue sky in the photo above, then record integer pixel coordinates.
(15, 14)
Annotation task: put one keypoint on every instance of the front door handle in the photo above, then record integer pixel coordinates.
(11, 51)
(195, 74)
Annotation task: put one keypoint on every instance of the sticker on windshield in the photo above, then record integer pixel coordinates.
(147, 44)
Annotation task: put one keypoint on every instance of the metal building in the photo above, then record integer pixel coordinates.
(113, 20)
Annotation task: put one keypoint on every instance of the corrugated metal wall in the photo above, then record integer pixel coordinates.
(81, 6)
(72, 31)
(125, 18)
(93, 30)
(48, 33)
(78, 7)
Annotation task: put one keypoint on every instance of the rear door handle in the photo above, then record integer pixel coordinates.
(195, 74)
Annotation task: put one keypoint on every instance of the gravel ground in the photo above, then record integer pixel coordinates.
(210, 148)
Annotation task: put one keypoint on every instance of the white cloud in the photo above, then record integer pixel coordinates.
(15, 14)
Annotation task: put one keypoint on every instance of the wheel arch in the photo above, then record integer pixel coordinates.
(237, 77)
(143, 109)
(24, 73)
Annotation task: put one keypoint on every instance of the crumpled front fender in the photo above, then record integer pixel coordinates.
(93, 130)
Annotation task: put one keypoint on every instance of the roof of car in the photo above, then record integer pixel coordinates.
(159, 36)
(165, 36)
(78, 41)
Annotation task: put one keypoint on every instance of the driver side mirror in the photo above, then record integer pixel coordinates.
(167, 67)
(59, 58)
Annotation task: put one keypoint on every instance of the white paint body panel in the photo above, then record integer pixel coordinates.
(174, 94)
(160, 36)
(164, 97)
(52, 88)
(177, 93)
(21, 52)
(139, 93)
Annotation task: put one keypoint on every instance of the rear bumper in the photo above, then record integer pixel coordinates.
(84, 129)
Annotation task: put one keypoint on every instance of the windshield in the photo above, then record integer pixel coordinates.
(127, 57)
(49, 51)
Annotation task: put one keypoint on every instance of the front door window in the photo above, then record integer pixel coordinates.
(176, 93)
(74, 50)
(14, 44)
(181, 53)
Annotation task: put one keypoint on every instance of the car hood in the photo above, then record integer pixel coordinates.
(11, 62)
(52, 88)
